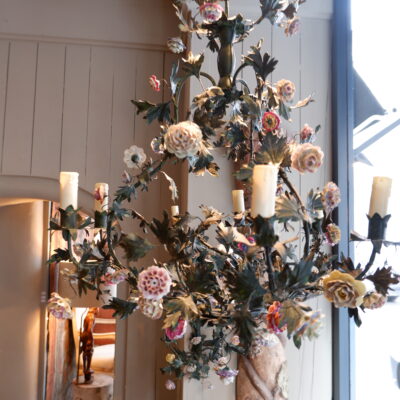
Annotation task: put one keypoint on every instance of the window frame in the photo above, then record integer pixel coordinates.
(342, 148)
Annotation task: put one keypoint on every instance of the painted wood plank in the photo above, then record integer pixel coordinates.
(316, 79)
(123, 117)
(46, 146)
(75, 111)
(17, 147)
(99, 117)
(143, 333)
(4, 59)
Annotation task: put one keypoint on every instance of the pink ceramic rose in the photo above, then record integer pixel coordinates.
(307, 158)
(178, 331)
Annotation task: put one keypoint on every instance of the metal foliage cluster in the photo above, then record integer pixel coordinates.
(235, 280)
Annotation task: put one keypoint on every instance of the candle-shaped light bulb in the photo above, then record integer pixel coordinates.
(381, 189)
(101, 197)
(174, 211)
(265, 178)
(69, 182)
(238, 201)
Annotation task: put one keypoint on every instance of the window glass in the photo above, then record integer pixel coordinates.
(376, 61)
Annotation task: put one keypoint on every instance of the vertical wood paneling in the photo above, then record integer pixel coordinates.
(316, 79)
(75, 111)
(18, 127)
(100, 116)
(123, 118)
(46, 146)
(143, 333)
(4, 60)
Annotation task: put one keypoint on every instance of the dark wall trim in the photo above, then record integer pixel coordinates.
(343, 116)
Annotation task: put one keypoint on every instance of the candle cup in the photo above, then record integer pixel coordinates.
(68, 218)
(100, 219)
(100, 205)
(377, 230)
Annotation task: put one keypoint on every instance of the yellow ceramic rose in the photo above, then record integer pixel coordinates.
(343, 290)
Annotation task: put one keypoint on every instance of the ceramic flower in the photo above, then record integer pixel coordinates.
(211, 11)
(374, 300)
(176, 45)
(307, 158)
(170, 385)
(178, 331)
(152, 309)
(183, 139)
(330, 196)
(59, 307)
(155, 83)
(307, 132)
(154, 283)
(196, 340)
(191, 368)
(332, 234)
(170, 358)
(157, 146)
(274, 318)
(285, 90)
(311, 325)
(270, 121)
(114, 277)
(227, 375)
(292, 26)
(235, 340)
(134, 157)
(343, 290)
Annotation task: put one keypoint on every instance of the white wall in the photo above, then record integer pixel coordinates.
(305, 60)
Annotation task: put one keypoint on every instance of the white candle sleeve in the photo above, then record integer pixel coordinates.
(101, 197)
(381, 189)
(265, 178)
(174, 211)
(238, 201)
(69, 183)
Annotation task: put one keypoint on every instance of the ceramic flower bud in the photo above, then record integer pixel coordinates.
(178, 331)
(59, 307)
(211, 11)
(333, 234)
(330, 196)
(183, 139)
(307, 158)
(306, 132)
(270, 121)
(343, 290)
(170, 385)
(154, 83)
(285, 90)
(292, 26)
(176, 45)
(154, 283)
(134, 157)
(374, 300)
(274, 318)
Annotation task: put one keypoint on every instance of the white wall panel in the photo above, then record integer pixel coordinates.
(75, 110)
(46, 146)
(19, 111)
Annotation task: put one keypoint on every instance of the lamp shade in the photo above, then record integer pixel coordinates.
(70, 290)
